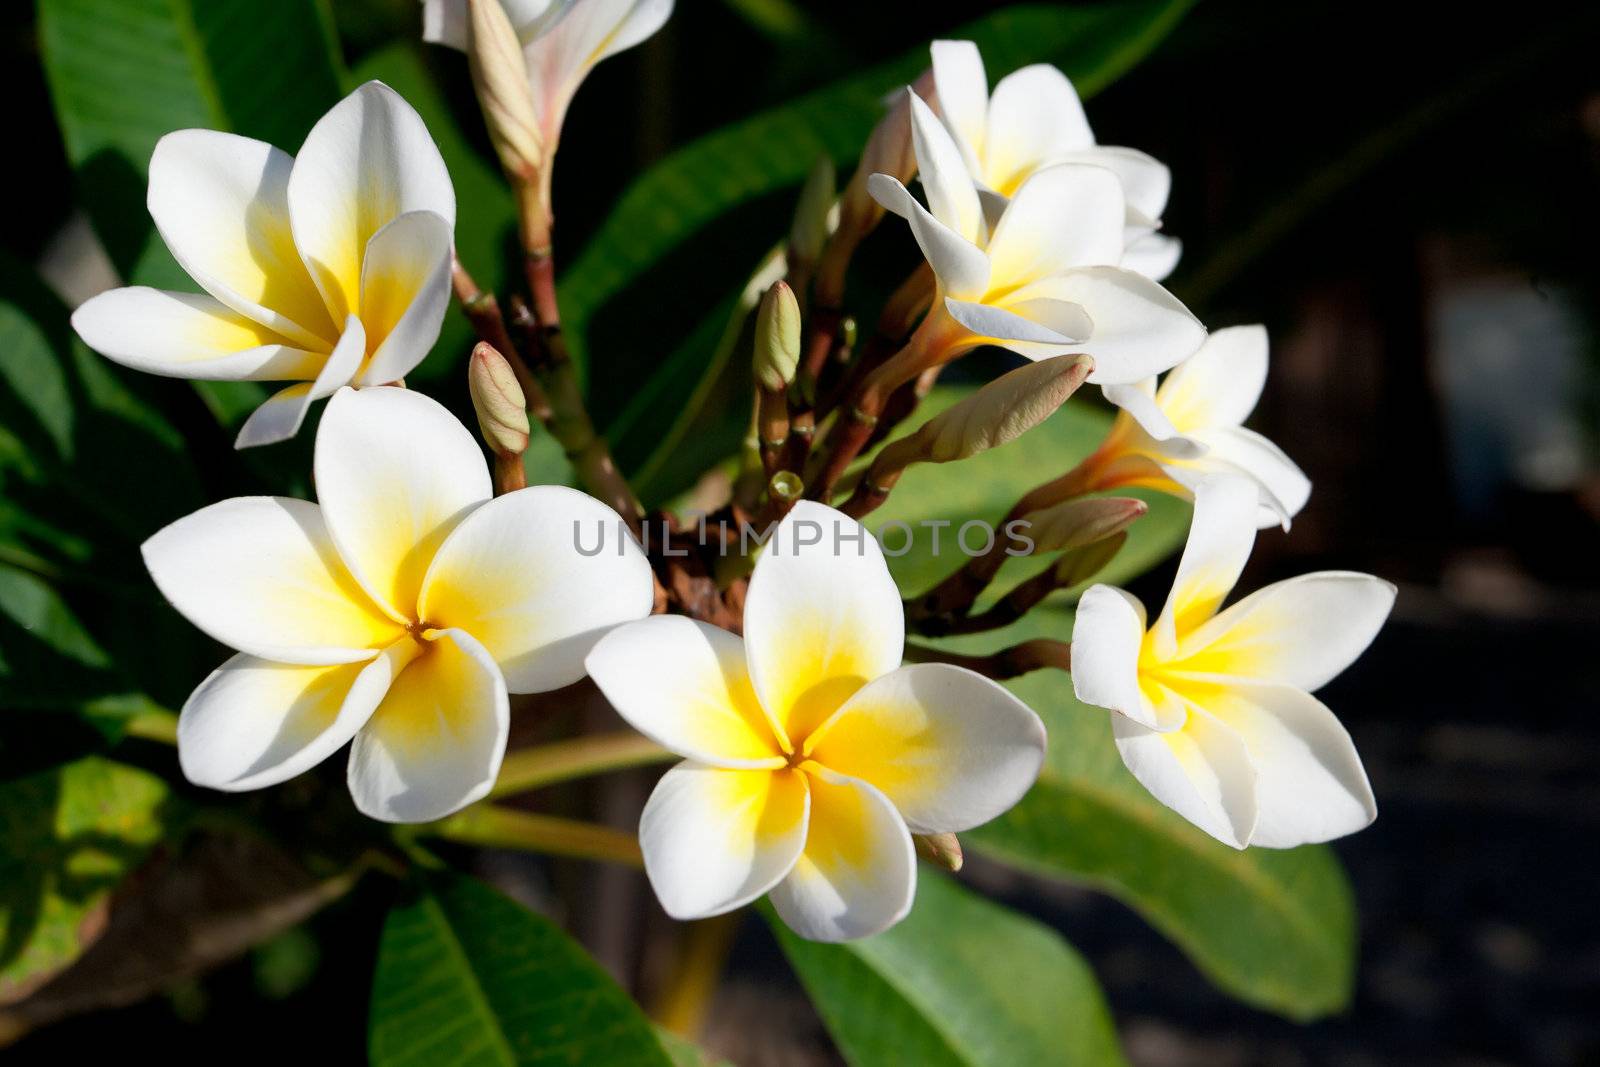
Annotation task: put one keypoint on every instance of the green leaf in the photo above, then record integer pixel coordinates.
(986, 486)
(1274, 928)
(487, 214)
(961, 981)
(467, 977)
(70, 836)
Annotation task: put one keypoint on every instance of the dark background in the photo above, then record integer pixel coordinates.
(1406, 195)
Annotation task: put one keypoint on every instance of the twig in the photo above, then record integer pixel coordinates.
(561, 761)
(492, 826)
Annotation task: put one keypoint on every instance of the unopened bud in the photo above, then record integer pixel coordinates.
(812, 222)
(888, 151)
(500, 78)
(777, 338)
(943, 849)
(1003, 410)
(497, 398)
(1083, 521)
(1078, 565)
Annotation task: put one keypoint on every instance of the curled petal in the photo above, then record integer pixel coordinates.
(960, 265)
(405, 289)
(281, 416)
(952, 196)
(1140, 329)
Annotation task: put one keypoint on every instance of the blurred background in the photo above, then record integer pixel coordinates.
(1405, 194)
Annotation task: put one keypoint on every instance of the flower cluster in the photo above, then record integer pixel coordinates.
(400, 612)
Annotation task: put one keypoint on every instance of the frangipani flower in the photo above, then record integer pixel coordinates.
(1169, 438)
(1042, 280)
(329, 268)
(1214, 712)
(398, 613)
(811, 755)
(1035, 120)
(562, 41)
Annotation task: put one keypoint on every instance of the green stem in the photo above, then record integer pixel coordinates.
(531, 768)
(491, 826)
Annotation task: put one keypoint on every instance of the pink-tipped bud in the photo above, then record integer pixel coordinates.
(1003, 410)
(1078, 522)
(498, 400)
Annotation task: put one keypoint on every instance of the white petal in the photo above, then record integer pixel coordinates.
(221, 204)
(1064, 324)
(512, 575)
(684, 684)
(1035, 117)
(260, 574)
(858, 873)
(1154, 255)
(822, 617)
(1146, 181)
(1203, 772)
(1284, 487)
(1107, 634)
(395, 473)
(716, 839)
(1220, 384)
(365, 162)
(1140, 329)
(256, 723)
(1221, 535)
(963, 95)
(405, 289)
(961, 266)
(583, 34)
(186, 335)
(950, 748)
(1138, 400)
(952, 196)
(281, 415)
(435, 743)
(1310, 785)
(1302, 632)
(445, 22)
(1066, 216)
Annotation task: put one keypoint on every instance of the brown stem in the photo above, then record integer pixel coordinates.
(772, 426)
(483, 311)
(1038, 654)
(509, 475)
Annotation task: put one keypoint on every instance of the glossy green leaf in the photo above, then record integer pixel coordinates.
(67, 839)
(921, 524)
(1274, 928)
(466, 977)
(961, 981)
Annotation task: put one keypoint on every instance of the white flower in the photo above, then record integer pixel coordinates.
(1169, 438)
(1214, 712)
(1042, 280)
(329, 268)
(398, 613)
(811, 755)
(1035, 120)
(562, 41)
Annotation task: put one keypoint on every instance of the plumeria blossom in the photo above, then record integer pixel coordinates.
(1043, 279)
(1191, 427)
(1214, 712)
(562, 41)
(397, 613)
(1035, 120)
(810, 754)
(326, 269)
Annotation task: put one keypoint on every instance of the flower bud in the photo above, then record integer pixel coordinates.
(500, 78)
(1078, 565)
(777, 338)
(498, 401)
(943, 849)
(1003, 410)
(888, 151)
(1082, 521)
(809, 232)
